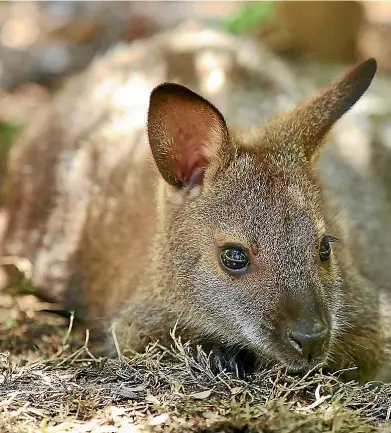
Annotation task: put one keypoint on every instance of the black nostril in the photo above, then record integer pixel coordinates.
(294, 343)
(308, 341)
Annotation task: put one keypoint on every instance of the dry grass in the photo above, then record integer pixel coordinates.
(52, 382)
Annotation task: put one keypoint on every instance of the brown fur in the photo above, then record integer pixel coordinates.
(145, 245)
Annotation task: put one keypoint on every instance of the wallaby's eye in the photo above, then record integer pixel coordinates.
(325, 248)
(234, 259)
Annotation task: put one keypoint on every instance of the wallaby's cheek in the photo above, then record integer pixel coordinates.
(223, 304)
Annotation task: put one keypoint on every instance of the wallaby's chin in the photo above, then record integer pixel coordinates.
(301, 366)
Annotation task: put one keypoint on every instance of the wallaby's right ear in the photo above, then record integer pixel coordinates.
(184, 132)
(312, 120)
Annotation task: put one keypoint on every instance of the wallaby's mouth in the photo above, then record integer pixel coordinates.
(292, 364)
(297, 352)
(302, 366)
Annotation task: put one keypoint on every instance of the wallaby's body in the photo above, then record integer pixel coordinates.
(225, 232)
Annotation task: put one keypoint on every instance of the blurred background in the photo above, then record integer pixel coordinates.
(43, 43)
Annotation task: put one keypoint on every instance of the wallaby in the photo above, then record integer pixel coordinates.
(221, 234)
(242, 256)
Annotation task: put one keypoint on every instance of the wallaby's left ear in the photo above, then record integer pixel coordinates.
(311, 121)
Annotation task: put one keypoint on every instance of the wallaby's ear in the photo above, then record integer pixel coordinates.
(184, 132)
(311, 121)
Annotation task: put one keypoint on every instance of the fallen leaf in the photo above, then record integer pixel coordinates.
(160, 419)
(152, 399)
(236, 390)
(210, 415)
(201, 395)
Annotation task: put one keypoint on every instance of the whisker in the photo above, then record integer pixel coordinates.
(341, 223)
(340, 345)
(330, 219)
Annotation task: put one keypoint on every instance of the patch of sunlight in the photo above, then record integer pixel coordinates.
(134, 93)
(215, 80)
(191, 40)
(129, 101)
(105, 89)
(20, 33)
(212, 68)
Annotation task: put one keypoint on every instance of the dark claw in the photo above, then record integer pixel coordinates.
(217, 360)
(221, 360)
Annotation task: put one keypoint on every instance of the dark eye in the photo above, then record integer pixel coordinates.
(234, 259)
(325, 249)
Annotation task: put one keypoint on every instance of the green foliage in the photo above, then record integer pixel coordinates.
(250, 16)
(10, 323)
(24, 288)
(8, 133)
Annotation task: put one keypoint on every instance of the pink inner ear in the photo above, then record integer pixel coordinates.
(184, 131)
(191, 159)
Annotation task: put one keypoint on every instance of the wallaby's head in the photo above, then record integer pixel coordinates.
(243, 243)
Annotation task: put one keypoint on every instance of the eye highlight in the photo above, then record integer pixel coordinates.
(325, 248)
(234, 259)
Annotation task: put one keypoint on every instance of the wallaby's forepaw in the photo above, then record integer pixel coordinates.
(221, 360)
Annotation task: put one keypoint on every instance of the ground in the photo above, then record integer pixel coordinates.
(54, 381)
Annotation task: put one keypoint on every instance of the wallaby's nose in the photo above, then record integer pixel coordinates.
(309, 340)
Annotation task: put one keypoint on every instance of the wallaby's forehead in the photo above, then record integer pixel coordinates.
(249, 178)
(255, 197)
